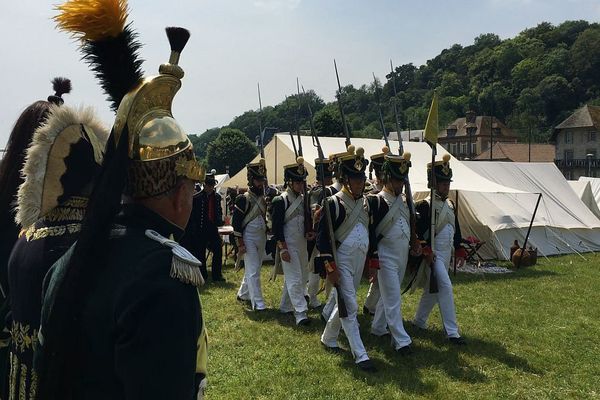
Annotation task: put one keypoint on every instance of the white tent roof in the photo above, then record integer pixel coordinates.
(221, 179)
(583, 190)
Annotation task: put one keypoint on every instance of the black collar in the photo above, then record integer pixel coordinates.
(138, 216)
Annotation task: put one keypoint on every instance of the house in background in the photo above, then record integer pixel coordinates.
(415, 135)
(576, 140)
(468, 136)
(519, 152)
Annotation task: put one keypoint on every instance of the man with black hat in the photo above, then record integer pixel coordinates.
(391, 221)
(335, 168)
(202, 231)
(121, 316)
(447, 238)
(250, 232)
(289, 232)
(324, 169)
(64, 157)
(375, 165)
(350, 223)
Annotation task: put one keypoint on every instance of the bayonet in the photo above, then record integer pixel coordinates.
(341, 106)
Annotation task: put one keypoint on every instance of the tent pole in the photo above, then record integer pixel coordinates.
(456, 213)
(529, 230)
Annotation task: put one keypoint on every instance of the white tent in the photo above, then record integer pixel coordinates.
(221, 180)
(583, 190)
(594, 186)
(562, 225)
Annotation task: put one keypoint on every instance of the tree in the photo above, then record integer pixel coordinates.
(201, 142)
(232, 149)
(328, 121)
(558, 98)
(585, 56)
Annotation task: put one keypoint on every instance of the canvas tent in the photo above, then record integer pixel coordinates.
(583, 190)
(594, 186)
(563, 224)
(221, 182)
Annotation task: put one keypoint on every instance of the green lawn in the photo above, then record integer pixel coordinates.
(534, 333)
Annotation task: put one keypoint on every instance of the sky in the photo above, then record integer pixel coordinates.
(235, 44)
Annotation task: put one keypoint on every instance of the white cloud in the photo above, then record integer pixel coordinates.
(276, 5)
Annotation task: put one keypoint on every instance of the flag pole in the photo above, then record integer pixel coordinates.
(431, 137)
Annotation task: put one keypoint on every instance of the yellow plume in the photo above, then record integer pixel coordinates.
(92, 20)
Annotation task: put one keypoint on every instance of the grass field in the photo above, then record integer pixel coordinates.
(532, 334)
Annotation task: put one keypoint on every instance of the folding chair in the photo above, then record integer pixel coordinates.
(472, 246)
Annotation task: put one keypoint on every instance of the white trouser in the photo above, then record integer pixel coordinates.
(254, 241)
(294, 281)
(351, 262)
(373, 296)
(393, 256)
(444, 297)
(329, 305)
(314, 282)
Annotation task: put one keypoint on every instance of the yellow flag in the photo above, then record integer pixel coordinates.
(431, 127)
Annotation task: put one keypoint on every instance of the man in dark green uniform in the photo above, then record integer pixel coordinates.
(122, 317)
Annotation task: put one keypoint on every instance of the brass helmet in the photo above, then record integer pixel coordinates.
(159, 149)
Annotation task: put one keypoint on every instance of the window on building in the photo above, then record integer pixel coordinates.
(591, 136)
(568, 154)
(474, 149)
(568, 137)
(453, 148)
(464, 147)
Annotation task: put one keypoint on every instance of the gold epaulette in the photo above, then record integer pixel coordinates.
(184, 265)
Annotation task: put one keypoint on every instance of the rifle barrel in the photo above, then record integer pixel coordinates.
(381, 122)
(398, 129)
(298, 118)
(341, 106)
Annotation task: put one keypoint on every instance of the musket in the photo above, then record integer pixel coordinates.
(298, 119)
(260, 129)
(400, 146)
(341, 106)
(381, 122)
(407, 188)
(296, 153)
(343, 312)
(306, 203)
